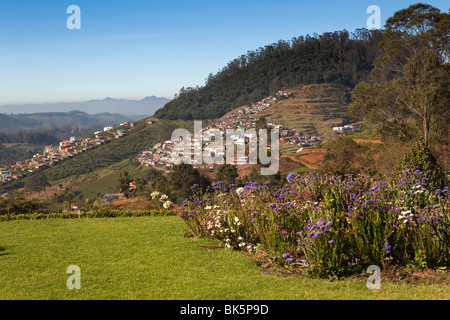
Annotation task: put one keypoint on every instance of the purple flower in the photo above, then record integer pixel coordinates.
(289, 260)
(330, 241)
(387, 248)
(291, 177)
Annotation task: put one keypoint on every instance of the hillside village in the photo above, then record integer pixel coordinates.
(242, 119)
(66, 149)
(160, 155)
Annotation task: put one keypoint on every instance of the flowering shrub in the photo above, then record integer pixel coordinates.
(164, 199)
(329, 226)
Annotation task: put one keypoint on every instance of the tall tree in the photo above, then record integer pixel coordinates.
(124, 183)
(182, 177)
(227, 173)
(408, 88)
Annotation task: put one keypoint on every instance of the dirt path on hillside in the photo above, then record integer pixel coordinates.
(308, 160)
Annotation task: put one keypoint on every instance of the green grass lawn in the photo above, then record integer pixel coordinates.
(153, 258)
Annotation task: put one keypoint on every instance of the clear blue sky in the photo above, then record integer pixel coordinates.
(137, 48)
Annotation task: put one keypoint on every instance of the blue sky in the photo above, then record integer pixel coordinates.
(135, 48)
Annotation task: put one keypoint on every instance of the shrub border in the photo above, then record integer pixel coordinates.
(88, 214)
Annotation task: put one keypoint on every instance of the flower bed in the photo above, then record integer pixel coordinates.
(330, 226)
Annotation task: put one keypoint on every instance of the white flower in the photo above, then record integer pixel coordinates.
(163, 198)
(208, 208)
(155, 194)
(167, 205)
(239, 190)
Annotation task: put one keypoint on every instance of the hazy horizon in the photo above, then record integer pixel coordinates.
(81, 100)
(125, 50)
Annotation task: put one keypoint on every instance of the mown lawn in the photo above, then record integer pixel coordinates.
(153, 258)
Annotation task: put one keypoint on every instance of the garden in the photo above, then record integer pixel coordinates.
(329, 227)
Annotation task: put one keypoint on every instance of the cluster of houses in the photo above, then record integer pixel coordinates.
(66, 149)
(243, 119)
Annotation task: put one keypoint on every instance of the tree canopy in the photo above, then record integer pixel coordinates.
(407, 93)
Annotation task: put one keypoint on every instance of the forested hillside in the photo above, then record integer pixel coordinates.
(339, 57)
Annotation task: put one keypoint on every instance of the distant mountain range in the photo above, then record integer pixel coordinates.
(132, 108)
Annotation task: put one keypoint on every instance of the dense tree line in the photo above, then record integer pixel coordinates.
(333, 57)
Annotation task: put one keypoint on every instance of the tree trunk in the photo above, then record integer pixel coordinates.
(425, 126)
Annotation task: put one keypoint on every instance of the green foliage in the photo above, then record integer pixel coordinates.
(181, 178)
(342, 157)
(102, 213)
(275, 180)
(421, 158)
(18, 204)
(149, 258)
(407, 93)
(124, 183)
(338, 57)
(330, 226)
(227, 173)
(37, 182)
